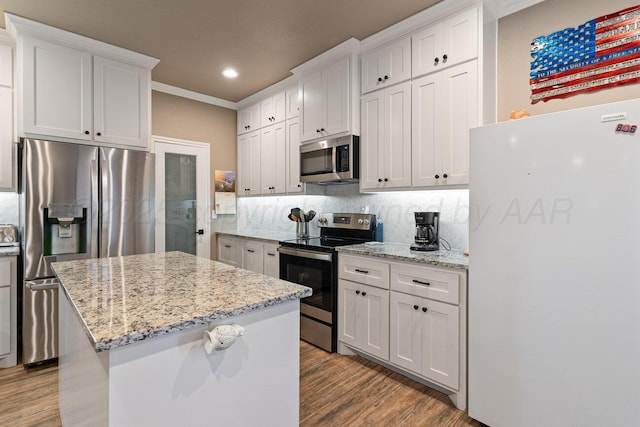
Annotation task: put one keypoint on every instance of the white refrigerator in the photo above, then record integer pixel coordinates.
(554, 269)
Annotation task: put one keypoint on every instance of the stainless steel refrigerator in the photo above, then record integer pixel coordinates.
(554, 292)
(77, 202)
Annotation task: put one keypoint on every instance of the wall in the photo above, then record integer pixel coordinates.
(182, 118)
(515, 34)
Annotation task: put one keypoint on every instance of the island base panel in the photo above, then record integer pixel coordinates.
(170, 380)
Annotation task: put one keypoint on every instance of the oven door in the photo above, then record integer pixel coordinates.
(313, 269)
(316, 270)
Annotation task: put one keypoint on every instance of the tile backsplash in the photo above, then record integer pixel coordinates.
(394, 208)
(9, 208)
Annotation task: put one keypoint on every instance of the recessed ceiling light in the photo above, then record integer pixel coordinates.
(230, 73)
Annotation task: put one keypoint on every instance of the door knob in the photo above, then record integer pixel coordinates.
(200, 231)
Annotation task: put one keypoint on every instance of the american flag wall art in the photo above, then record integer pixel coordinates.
(603, 52)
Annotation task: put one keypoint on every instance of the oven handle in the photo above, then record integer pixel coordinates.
(321, 256)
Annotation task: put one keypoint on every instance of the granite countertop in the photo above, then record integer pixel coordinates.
(9, 250)
(262, 235)
(123, 300)
(401, 252)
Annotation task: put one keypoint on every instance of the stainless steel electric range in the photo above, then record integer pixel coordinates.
(313, 262)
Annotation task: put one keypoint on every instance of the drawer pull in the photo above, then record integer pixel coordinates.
(361, 271)
(227, 246)
(271, 254)
(250, 250)
(420, 282)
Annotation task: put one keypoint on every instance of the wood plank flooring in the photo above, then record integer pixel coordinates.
(335, 390)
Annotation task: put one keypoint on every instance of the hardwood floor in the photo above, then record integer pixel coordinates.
(335, 391)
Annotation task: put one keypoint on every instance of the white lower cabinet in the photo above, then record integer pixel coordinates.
(229, 251)
(252, 256)
(8, 311)
(363, 317)
(424, 337)
(408, 315)
(255, 255)
(271, 261)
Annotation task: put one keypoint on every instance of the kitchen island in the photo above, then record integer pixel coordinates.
(131, 343)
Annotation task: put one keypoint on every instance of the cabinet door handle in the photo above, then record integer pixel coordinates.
(357, 292)
(386, 77)
(444, 58)
(437, 176)
(250, 250)
(362, 271)
(99, 133)
(379, 79)
(86, 132)
(421, 282)
(415, 307)
(364, 294)
(379, 179)
(436, 60)
(271, 254)
(424, 309)
(227, 246)
(386, 180)
(321, 129)
(444, 175)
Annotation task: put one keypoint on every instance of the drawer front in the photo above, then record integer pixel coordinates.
(364, 270)
(432, 283)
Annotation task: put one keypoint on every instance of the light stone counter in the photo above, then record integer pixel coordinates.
(262, 235)
(127, 299)
(9, 250)
(401, 252)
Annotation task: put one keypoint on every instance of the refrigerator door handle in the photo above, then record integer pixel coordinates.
(95, 214)
(42, 287)
(105, 208)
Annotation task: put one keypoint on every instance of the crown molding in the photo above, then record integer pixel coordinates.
(18, 27)
(195, 96)
(348, 47)
(280, 86)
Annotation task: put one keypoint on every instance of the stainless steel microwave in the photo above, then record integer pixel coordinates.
(331, 161)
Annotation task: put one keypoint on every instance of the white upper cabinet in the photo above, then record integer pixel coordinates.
(329, 93)
(249, 164)
(446, 43)
(293, 156)
(273, 170)
(57, 90)
(326, 108)
(386, 66)
(7, 149)
(77, 89)
(445, 107)
(292, 103)
(7, 152)
(385, 148)
(273, 109)
(6, 64)
(120, 102)
(249, 119)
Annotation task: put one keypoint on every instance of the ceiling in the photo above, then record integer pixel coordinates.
(196, 39)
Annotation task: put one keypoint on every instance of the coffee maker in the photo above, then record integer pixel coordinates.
(427, 231)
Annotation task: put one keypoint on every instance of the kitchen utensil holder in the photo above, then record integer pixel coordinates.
(302, 230)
